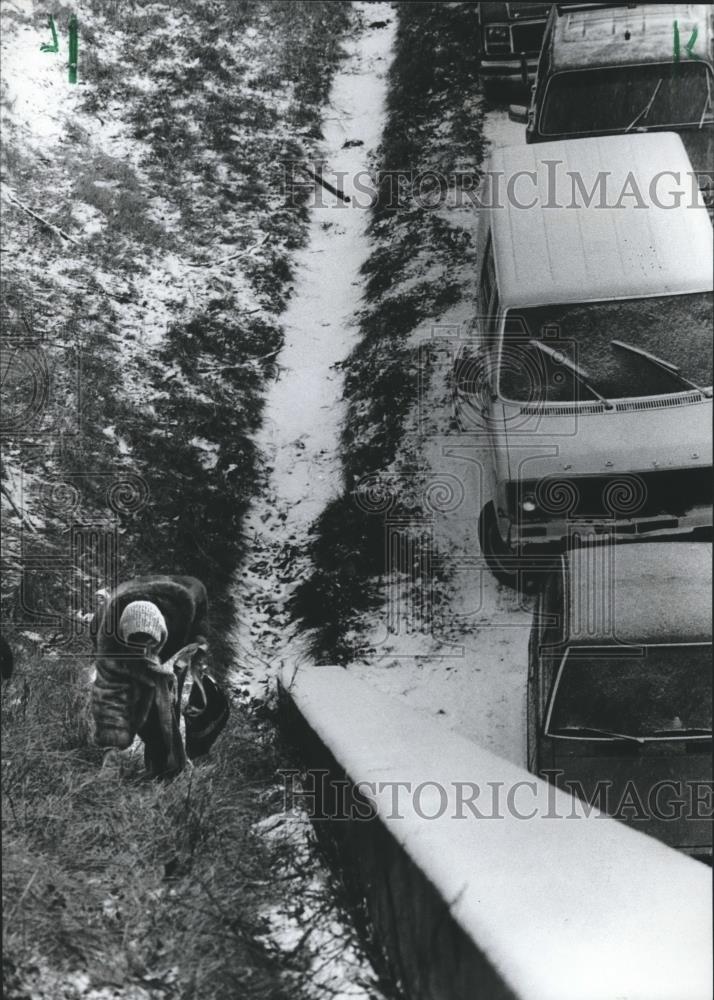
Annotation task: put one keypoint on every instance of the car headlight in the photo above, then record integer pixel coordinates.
(528, 504)
(498, 34)
(522, 498)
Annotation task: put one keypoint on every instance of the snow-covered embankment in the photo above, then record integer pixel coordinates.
(304, 409)
(299, 443)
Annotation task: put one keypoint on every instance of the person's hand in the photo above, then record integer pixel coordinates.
(185, 655)
(200, 656)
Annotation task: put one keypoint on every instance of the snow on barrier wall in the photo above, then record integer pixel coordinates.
(482, 881)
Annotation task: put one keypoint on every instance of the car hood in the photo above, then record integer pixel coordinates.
(610, 442)
(642, 790)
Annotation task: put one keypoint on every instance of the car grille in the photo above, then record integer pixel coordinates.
(671, 492)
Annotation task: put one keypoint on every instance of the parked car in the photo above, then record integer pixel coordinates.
(511, 35)
(593, 370)
(619, 702)
(617, 68)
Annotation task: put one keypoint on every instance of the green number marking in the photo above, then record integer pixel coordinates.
(54, 47)
(690, 44)
(73, 44)
(688, 47)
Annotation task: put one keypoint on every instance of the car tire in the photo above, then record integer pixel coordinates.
(495, 551)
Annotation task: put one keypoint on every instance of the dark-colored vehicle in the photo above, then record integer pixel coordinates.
(511, 37)
(620, 686)
(607, 69)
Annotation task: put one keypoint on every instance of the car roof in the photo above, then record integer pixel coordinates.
(564, 249)
(620, 35)
(638, 593)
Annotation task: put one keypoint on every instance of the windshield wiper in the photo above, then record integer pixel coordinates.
(665, 366)
(685, 731)
(582, 376)
(647, 108)
(602, 732)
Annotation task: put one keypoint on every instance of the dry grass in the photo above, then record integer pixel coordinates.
(134, 882)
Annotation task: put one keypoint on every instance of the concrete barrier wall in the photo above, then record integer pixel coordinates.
(478, 901)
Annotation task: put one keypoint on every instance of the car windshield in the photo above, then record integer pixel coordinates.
(577, 338)
(622, 98)
(667, 691)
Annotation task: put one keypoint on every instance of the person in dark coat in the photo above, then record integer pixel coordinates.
(137, 635)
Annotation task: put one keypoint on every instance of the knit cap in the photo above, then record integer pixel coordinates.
(143, 617)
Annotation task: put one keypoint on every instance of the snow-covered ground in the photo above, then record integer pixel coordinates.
(501, 131)
(43, 106)
(299, 440)
(468, 664)
(304, 410)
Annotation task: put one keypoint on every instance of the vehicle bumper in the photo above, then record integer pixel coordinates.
(508, 69)
(532, 535)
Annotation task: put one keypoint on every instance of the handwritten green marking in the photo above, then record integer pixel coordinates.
(54, 47)
(688, 47)
(690, 44)
(73, 48)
